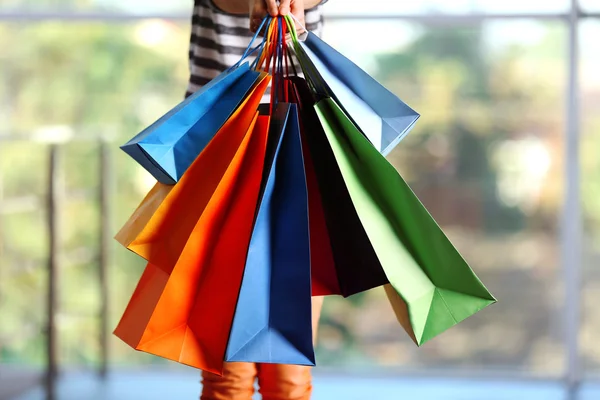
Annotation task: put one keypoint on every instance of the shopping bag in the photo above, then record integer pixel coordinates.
(272, 321)
(168, 147)
(433, 287)
(379, 114)
(324, 280)
(186, 315)
(357, 267)
(142, 214)
(161, 226)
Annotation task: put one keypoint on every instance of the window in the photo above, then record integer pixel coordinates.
(492, 158)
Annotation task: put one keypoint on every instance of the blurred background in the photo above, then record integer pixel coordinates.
(505, 157)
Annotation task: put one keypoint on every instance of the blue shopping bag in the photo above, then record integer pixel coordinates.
(169, 146)
(272, 321)
(380, 115)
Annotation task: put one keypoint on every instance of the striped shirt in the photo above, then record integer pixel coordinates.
(219, 39)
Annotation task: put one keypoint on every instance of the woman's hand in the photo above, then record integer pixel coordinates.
(260, 8)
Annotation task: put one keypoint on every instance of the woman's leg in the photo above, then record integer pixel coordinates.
(237, 383)
(284, 382)
(289, 382)
(317, 306)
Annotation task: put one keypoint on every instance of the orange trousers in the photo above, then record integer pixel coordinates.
(275, 381)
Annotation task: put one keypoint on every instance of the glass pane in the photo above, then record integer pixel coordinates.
(486, 158)
(590, 5)
(590, 190)
(23, 249)
(86, 79)
(108, 6)
(387, 7)
(75, 82)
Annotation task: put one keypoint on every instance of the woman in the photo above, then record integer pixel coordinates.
(221, 31)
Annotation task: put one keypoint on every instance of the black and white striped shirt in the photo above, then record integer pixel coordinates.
(219, 39)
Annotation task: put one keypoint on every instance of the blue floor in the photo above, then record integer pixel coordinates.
(181, 386)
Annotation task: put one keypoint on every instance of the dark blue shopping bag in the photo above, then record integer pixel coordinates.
(169, 146)
(381, 116)
(272, 322)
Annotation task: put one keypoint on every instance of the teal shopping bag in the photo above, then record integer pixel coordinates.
(378, 113)
(171, 144)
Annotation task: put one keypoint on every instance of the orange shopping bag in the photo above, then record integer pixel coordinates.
(186, 315)
(160, 227)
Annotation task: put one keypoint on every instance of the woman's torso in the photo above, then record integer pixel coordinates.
(219, 39)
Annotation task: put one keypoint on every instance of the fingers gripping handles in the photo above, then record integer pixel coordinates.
(274, 53)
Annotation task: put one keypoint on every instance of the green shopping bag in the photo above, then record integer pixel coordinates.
(431, 286)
